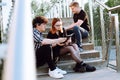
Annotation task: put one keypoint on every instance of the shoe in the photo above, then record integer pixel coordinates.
(55, 74)
(79, 68)
(89, 68)
(61, 71)
(81, 49)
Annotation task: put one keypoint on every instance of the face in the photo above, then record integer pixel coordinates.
(41, 27)
(58, 25)
(74, 9)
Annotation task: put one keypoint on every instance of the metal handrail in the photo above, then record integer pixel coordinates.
(113, 21)
(105, 6)
(19, 62)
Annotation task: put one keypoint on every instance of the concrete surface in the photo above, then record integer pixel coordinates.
(101, 74)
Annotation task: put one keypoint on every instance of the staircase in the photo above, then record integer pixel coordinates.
(89, 55)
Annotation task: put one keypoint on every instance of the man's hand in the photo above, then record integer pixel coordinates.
(60, 40)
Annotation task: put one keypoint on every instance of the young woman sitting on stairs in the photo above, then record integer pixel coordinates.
(58, 31)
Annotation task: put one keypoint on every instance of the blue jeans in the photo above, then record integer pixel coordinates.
(79, 34)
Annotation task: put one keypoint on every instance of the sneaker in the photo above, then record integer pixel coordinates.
(55, 74)
(61, 71)
(81, 49)
(89, 68)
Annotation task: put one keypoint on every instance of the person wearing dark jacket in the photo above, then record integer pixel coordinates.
(60, 49)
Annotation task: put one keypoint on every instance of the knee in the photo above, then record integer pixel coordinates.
(70, 49)
(86, 35)
(74, 45)
(75, 28)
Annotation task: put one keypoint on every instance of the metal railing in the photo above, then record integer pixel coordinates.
(1, 22)
(60, 9)
(19, 63)
(112, 23)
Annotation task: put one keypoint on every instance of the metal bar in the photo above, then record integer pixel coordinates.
(112, 66)
(116, 22)
(109, 37)
(102, 4)
(1, 24)
(103, 34)
(20, 60)
(91, 19)
(105, 6)
(113, 8)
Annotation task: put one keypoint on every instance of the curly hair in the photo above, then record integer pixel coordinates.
(39, 20)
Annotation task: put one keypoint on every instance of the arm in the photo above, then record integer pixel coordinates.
(80, 19)
(78, 23)
(53, 41)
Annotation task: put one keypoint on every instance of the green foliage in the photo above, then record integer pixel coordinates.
(39, 9)
(42, 8)
(113, 3)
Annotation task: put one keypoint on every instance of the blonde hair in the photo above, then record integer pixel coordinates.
(75, 4)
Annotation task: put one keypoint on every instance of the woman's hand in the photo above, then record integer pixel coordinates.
(68, 41)
(60, 40)
(65, 43)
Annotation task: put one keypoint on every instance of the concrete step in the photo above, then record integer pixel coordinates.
(68, 65)
(66, 21)
(84, 55)
(87, 46)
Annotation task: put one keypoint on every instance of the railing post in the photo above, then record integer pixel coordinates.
(91, 19)
(20, 59)
(1, 21)
(1, 25)
(116, 22)
(103, 34)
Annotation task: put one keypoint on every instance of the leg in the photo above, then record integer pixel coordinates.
(84, 32)
(43, 55)
(80, 33)
(80, 65)
(56, 54)
(74, 54)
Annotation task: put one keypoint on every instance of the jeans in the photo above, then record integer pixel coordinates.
(79, 34)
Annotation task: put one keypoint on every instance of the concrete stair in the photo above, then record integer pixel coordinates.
(89, 55)
(69, 64)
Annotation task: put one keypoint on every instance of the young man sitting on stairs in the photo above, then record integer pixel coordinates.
(80, 26)
(43, 47)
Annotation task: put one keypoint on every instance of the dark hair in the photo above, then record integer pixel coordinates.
(75, 4)
(39, 20)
